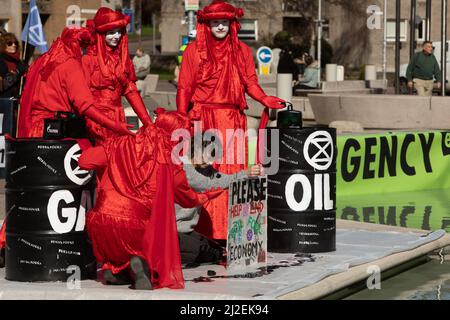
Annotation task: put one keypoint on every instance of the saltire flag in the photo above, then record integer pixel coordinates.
(33, 32)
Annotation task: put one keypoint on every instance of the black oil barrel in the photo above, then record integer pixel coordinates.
(302, 193)
(47, 197)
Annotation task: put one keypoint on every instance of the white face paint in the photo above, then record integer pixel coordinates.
(113, 37)
(220, 28)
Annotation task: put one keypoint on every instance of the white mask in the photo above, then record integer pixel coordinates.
(220, 28)
(113, 37)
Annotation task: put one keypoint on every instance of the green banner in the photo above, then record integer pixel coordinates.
(393, 162)
(425, 209)
(395, 178)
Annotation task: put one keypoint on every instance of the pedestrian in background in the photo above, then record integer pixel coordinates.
(300, 62)
(141, 62)
(176, 73)
(286, 65)
(422, 68)
(311, 75)
(11, 67)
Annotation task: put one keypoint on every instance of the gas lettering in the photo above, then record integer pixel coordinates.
(65, 219)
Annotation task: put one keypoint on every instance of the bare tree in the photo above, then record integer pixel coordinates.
(352, 45)
(150, 7)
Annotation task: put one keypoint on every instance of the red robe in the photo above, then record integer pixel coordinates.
(65, 89)
(219, 102)
(3, 236)
(134, 212)
(108, 92)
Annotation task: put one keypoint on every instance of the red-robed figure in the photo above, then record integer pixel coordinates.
(56, 82)
(216, 73)
(110, 72)
(133, 224)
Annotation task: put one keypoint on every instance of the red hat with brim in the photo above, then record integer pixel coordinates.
(219, 10)
(107, 19)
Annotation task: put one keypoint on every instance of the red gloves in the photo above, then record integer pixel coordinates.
(272, 102)
(135, 100)
(97, 116)
(257, 93)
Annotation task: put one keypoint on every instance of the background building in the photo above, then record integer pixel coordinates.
(345, 28)
(11, 16)
(55, 14)
(353, 44)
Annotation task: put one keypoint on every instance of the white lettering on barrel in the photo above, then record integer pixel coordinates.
(322, 194)
(318, 192)
(289, 193)
(69, 213)
(85, 206)
(328, 203)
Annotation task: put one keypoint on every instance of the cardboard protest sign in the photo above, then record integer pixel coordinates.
(247, 223)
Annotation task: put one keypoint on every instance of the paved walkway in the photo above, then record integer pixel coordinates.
(291, 276)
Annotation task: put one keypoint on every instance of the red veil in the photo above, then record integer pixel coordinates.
(105, 20)
(65, 47)
(205, 42)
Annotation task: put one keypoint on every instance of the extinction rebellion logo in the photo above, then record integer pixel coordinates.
(73, 171)
(320, 144)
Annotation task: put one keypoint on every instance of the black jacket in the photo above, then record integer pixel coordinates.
(287, 65)
(10, 82)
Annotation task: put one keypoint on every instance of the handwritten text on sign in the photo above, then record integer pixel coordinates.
(247, 223)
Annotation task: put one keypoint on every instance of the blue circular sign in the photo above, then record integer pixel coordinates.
(264, 55)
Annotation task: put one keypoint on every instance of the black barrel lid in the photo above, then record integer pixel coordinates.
(289, 118)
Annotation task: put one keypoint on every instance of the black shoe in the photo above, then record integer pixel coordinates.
(119, 279)
(141, 274)
(197, 249)
(2, 257)
(210, 253)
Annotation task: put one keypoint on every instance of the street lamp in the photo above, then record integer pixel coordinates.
(319, 39)
(443, 46)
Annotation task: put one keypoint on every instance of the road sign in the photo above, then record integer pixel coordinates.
(192, 5)
(265, 58)
(265, 55)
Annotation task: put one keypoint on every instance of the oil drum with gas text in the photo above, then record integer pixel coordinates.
(47, 198)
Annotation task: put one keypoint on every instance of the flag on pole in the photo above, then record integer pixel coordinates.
(33, 32)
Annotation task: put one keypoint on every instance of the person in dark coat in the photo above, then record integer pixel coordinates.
(11, 67)
(287, 64)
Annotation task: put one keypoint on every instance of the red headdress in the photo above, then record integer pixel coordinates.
(65, 47)
(219, 10)
(106, 20)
